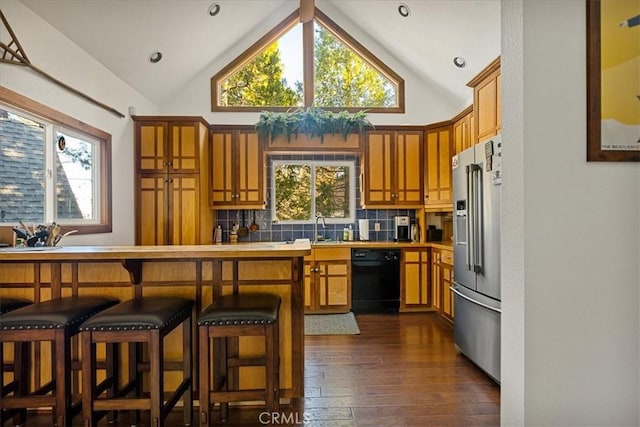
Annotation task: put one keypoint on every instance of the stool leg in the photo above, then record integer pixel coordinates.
(222, 373)
(21, 374)
(135, 355)
(62, 344)
(113, 372)
(204, 361)
(88, 377)
(270, 380)
(187, 371)
(156, 381)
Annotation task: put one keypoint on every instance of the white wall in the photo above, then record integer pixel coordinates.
(55, 54)
(571, 325)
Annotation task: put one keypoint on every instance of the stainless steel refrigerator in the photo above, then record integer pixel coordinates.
(477, 179)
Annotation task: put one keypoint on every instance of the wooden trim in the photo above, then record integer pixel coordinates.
(491, 68)
(29, 105)
(181, 119)
(438, 125)
(286, 24)
(462, 113)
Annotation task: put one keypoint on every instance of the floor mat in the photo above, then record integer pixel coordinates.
(331, 324)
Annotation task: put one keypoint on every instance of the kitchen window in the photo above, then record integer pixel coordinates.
(302, 189)
(52, 171)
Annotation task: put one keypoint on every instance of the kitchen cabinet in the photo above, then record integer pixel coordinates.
(438, 179)
(462, 131)
(414, 280)
(237, 171)
(487, 88)
(442, 280)
(170, 185)
(392, 168)
(327, 280)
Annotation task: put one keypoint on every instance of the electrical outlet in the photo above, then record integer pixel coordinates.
(376, 226)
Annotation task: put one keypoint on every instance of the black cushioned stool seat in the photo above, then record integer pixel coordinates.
(20, 355)
(55, 320)
(140, 320)
(8, 304)
(236, 315)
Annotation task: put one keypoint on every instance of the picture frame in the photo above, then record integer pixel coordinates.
(610, 139)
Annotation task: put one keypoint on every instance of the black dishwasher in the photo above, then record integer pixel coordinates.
(375, 280)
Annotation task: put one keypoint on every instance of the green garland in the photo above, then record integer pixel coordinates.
(312, 122)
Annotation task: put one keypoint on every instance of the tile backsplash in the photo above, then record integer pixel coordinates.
(272, 232)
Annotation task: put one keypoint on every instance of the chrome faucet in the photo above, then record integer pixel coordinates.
(316, 237)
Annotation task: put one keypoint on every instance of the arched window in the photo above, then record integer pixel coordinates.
(315, 63)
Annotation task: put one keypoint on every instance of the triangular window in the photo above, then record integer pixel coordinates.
(307, 64)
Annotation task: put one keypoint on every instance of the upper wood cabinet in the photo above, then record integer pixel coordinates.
(438, 181)
(237, 171)
(392, 168)
(169, 144)
(487, 107)
(171, 155)
(463, 137)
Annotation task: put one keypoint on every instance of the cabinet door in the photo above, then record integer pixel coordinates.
(151, 142)
(333, 285)
(414, 280)
(408, 168)
(438, 180)
(462, 134)
(436, 277)
(486, 106)
(249, 176)
(309, 291)
(447, 295)
(237, 175)
(378, 179)
(184, 202)
(183, 147)
(152, 210)
(222, 169)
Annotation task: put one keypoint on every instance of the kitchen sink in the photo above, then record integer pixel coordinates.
(327, 242)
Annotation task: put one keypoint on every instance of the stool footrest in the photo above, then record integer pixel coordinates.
(238, 395)
(113, 404)
(246, 361)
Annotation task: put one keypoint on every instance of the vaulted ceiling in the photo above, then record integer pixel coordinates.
(122, 34)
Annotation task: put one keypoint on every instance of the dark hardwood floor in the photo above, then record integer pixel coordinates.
(402, 370)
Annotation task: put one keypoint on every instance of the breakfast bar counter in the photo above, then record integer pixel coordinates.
(198, 272)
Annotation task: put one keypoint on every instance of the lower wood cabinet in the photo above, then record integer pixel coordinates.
(442, 280)
(327, 280)
(414, 280)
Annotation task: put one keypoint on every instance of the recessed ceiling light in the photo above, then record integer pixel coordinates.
(404, 10)
(155, 57)
(459, 62)
(214, 9)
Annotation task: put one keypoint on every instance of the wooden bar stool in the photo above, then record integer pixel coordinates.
(141, 320)
(20, 354)
(238, 315)
(57, 321)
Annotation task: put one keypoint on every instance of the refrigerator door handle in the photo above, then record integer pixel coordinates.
(455, 291)
(478, 238)
(469, 218)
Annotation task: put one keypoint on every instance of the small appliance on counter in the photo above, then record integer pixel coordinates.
(363, 230)
(434, 234)
(401, 229)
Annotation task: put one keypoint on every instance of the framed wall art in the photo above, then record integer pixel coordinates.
(613, 80)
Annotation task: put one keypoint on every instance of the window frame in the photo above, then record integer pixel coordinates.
(61, 121)
(313, 164)
(308, 65)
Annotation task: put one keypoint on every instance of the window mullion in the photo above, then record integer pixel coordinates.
(308, 55)
(50, 173)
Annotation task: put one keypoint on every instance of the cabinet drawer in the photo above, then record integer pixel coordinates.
(447, 257)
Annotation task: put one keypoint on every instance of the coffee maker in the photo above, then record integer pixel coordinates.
(401, 229)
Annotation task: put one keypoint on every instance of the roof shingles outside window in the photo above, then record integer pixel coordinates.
(22, 173)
